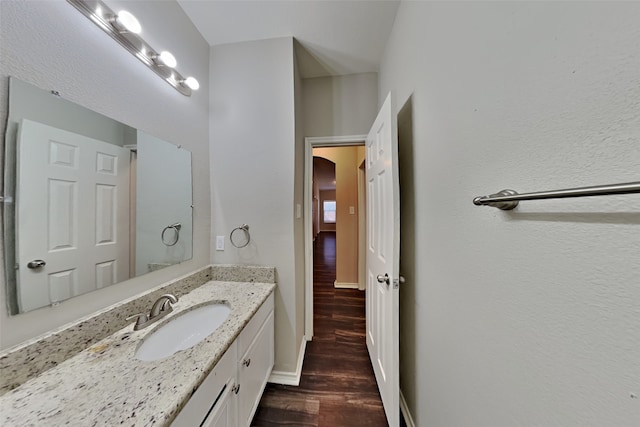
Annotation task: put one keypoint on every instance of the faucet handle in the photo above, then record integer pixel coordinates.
(141, 319)
(138, 316)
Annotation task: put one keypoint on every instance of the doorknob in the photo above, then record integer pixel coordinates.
(383, 279)
(36, 263)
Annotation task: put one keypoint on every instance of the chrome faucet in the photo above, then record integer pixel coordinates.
(160, 308)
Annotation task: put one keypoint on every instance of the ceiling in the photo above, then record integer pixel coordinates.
(334, 37)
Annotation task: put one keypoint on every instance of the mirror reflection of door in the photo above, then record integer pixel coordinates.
(73, 212)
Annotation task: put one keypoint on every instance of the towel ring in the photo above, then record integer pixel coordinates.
(245, 228)
(175, 227)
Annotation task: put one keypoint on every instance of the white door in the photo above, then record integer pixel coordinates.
(382, 263)
(72, 213)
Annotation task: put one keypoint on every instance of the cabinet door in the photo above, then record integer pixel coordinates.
(254, 368)
(225, 411)
(219, 381)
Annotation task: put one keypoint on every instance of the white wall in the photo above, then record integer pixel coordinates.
(51, 45)
(298, 196)
(253, 155)
(527, 317)
(340, 105)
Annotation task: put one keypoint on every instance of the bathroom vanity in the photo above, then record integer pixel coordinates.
(230, 394)
(217, 382)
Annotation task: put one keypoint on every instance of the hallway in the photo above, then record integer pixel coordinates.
(337, 387)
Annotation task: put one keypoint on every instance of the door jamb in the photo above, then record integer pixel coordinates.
(309, 144)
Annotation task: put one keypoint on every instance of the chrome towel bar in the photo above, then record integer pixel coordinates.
(508, 199)
(247, 236)
(176, 228)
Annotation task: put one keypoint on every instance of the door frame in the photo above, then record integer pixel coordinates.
(309, 144)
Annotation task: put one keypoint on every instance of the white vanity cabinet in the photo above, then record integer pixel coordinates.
(254, 365)
(231, 393)
(224, 412)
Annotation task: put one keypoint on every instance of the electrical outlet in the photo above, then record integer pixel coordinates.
(219, 243)
(352, 210)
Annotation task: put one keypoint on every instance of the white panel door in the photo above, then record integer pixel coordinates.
(382, 259)
(72, 212)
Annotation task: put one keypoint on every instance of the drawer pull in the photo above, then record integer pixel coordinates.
(246, 362)
(235, 388)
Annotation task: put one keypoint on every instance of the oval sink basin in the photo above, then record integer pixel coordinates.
(182, 332)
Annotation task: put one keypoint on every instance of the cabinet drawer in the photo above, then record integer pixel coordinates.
(249, 332)
(203, 399)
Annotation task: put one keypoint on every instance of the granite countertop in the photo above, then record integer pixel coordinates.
(105, 384)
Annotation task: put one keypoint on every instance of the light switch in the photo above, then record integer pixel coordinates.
(352, 210)
(298, 210)
(219, 243)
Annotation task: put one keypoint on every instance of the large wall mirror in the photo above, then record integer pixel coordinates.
(89, 201)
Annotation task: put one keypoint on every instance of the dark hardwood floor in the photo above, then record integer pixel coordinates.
(338, 387)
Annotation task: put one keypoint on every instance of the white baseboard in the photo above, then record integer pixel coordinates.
(290, 378)
(405, 411)
(342, 285)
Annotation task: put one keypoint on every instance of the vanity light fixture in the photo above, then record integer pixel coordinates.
(191, 82)
(124, 28)
(166, 59)
(125, 20)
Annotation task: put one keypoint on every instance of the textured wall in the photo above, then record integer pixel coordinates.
(253, 170)
(298, 198)
(51, 45)
(529, 317)
(340, 105)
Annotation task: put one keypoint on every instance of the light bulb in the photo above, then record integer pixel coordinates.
(168, 59)
(192, 83)
(129, 22)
